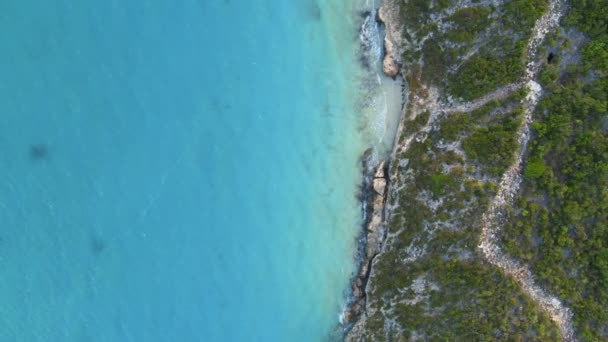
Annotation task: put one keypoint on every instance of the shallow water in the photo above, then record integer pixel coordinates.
(179, 171)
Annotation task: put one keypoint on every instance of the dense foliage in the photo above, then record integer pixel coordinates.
(492, 146)
(560, 222)
(467, 23)
(591, 18)
(502, 60)
(448, 293)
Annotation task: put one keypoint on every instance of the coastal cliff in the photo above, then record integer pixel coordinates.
(446, 263)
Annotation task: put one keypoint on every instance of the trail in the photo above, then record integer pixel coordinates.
(510, 182)
(498, 94)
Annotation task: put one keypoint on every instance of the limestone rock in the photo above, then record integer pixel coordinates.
(380, 170)
(375, 188)
(390, 66)
(388, 14)
(379, 186)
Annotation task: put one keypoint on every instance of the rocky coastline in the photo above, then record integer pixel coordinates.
(373, 197)
(391, 62)
(374, 188)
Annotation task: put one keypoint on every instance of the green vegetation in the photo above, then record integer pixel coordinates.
(483, 73)
(465, 300)
(535, 168)
(435, 61)
(417, 11)
(569, 167)
(590, 17)
(503, 59)
(493, 147)
(467, 23)
(415, 124)
(461, 297)
(559, 224)
(497, 35)
(431, 284)
(454, 126)
(520, 15)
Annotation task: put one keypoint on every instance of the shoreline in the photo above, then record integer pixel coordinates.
(373, 193)
(374, 189)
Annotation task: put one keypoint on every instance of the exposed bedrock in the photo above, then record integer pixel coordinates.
(374, 196)
(388, 15)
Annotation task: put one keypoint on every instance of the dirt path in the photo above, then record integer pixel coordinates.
(498, 94)
(510, 182)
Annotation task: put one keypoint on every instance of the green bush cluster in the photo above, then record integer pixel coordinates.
(473, 300)
(414, 125)
(492, 147)
(591, 18)
(467, 23)
(485, 72)
(416, 12)
(520, 15)
(560, 223)
(568, 168)
(502, 60)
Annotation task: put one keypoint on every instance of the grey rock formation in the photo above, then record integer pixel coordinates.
(375, 186)
(388, 15)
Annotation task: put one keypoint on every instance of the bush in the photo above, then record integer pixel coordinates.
(492, 147)
(534, 169)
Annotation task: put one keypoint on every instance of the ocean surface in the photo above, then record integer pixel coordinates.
(182, 170)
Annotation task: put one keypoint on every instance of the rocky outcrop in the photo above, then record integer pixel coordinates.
(388, 15)
(374, 198)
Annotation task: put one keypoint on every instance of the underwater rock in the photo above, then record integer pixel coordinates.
(38, 152)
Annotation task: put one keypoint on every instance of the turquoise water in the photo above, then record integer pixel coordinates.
(177, 170)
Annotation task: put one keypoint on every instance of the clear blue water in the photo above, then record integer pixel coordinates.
(177, 170)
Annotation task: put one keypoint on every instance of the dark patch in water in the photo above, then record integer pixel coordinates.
(39, 152)
(368, 30)
(219, 106)
(363, 60)
(312, 10)
(97, 245)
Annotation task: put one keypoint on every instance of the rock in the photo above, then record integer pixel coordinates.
(346, 317)
(379, 182)
(378, 204)
(362, 272)
(372, 247)
(387, 14)
(379, 185)
(357, 292)
(380, 170)
(374, 196)
(374, 223)
(390, 66)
